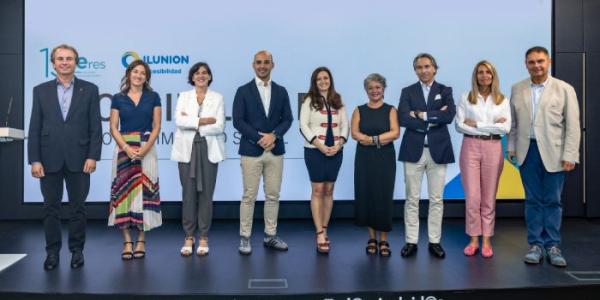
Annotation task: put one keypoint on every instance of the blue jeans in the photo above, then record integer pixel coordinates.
(543, 210)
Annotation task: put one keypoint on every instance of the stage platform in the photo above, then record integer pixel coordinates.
(300, 273)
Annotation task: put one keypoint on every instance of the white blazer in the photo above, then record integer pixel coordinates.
(187, 126)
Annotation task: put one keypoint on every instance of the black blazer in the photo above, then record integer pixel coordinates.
(249, 117)
(438, 137)
(55, 142)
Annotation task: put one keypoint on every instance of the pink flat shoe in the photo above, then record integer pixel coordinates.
(470, 250)
(487, 252)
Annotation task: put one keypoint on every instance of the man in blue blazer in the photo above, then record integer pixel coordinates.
(262, 114)
(425, 110)
(64, 143)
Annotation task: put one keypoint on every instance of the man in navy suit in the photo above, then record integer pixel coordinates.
(262, 114)
(425, 110)
(64, 143)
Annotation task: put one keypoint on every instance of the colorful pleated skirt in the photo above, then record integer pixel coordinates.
(134, 196)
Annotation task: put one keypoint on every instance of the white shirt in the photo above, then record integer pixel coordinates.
(426, 89)
(485, 113)
(536, 95)
(264, 89)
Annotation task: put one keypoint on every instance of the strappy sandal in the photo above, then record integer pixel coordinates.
(139, 253)
(371, 247)
(187, 250)
(322, 248)
(127, 255)
(384, 249)
(326, 236)
(202, 250)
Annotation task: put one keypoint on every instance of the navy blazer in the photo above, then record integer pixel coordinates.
(249, 117)
(436, 129)
(55, 142)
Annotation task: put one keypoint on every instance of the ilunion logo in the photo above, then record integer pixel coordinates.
(159, 63)
(128, 57)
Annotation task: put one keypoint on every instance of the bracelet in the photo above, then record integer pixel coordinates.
(125, 147)
(376, 141)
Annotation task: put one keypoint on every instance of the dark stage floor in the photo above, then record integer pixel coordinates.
(347, 273)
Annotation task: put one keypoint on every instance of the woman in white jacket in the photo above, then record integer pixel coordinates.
(324, 125)
(199, 146)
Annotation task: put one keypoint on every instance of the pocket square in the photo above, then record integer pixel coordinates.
(438, 97)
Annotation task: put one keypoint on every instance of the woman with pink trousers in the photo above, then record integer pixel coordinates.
(483, 116)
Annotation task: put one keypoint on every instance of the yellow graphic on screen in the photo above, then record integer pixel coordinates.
(510, 185)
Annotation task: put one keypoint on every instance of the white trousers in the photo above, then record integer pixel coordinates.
(436, 180)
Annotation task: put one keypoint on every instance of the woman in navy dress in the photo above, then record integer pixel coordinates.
(135, 200)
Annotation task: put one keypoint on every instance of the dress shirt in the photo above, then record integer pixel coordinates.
(484, 112)
(65, 94)
(426, 89)
(264, 89)
(536, 95)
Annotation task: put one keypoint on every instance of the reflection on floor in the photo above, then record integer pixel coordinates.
(347, 272)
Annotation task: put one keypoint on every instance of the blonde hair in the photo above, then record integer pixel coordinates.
(497, 96)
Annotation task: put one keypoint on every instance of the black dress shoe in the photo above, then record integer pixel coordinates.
(408, 250)
(51, 262)
(437, 250)
(77, 259)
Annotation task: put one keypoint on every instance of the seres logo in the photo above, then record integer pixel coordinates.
(85, 67)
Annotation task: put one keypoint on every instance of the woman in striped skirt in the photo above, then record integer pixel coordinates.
(135, 200)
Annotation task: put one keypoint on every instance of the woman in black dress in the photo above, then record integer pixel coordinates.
(375, 127)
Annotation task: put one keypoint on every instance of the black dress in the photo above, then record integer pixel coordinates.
(374, 172)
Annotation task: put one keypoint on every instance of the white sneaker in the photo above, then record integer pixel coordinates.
(245, 248)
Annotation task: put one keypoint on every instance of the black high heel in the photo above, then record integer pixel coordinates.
(371, 247)
(139, 253)
(127, 255)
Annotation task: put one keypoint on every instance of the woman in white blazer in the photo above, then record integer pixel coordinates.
(324, 125)
(198, 147)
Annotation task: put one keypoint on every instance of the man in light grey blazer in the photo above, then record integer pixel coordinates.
(544, 139)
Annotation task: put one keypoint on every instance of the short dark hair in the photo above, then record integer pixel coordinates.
(425, 55)
(195, 69)
(537, 49)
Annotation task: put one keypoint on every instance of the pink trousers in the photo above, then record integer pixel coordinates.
(481, 163)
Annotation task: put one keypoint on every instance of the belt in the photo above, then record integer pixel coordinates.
(485, 137)
(426, 146)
